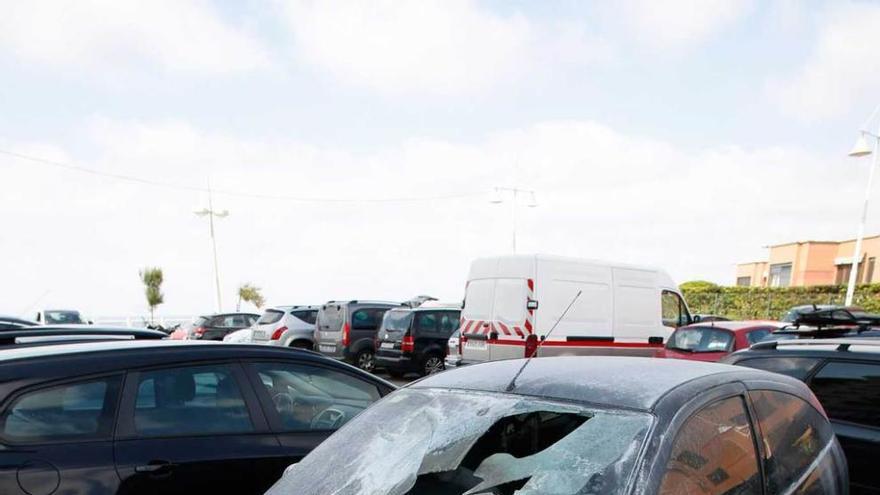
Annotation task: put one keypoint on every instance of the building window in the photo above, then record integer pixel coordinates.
(863, 277)
(743, 281)
(780, 275)
(869, 274)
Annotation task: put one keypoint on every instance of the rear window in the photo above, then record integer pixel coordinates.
(478, 299)
(330, 318)
(270, 316)
(700, 340)
(397, 321)
(308, 316)
(510, 300)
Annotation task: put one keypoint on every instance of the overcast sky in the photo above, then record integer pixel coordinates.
(685, 134)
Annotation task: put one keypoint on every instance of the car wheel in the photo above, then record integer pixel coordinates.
(433, 364)
(366, 361)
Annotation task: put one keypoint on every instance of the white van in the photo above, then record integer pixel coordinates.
(512, 302)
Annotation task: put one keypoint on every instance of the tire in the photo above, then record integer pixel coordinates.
(366, 360)
(301, 344)
(432, 364)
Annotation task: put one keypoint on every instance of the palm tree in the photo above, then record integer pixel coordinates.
(250, 293)
(152, 279)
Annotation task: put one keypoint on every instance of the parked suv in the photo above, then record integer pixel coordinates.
(287, 326)
(845, 376)
(347, 330)
(215, 327)
(167, 417)
(415, 340)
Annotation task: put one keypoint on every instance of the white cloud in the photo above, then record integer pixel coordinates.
(601, 193)
(181, 36)
(428, 46)
(843, 68)
(675, 24)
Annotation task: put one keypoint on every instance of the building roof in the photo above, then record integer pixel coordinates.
(614, 381)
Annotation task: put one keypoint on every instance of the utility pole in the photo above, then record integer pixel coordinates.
(497, 199)
(210, 213)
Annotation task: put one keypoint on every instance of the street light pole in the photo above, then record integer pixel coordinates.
(210, 213)
(515, 192)
(862, 149)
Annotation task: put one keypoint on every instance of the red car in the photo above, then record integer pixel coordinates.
(712, 341)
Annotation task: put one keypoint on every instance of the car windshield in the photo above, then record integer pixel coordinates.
(444, 442)
(700, 340)
(62, 317)
(397, 321)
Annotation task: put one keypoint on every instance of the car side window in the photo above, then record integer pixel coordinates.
(194, 400)
(714, 453)
(314, 398)
(367, 318)
(756, 336)
(449, 322)
(76, 411)
(674, 310)
(795, 367)
(849, 392)
(426, 323)
(308, 316)
(793, 433)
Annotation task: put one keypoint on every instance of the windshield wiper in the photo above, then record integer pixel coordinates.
(680, 349)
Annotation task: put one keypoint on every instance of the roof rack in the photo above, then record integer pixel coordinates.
(842, 344)
(835, 317)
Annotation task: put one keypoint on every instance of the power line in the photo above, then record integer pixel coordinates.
(227, 192)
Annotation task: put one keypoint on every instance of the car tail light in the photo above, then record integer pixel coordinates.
(277, 333)
(459, 345)
(408, 344)
(346, 335)
(531, 345)
(199, 332)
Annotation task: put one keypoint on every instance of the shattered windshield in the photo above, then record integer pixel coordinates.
(442, 442)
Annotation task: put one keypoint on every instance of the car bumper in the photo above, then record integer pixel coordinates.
(395, 363)
(457, 361)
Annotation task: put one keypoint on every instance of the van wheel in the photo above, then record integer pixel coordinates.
(301, 344)
(366, 360)
(433, 364)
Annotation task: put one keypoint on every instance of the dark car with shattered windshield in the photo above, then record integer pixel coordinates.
(582, 425)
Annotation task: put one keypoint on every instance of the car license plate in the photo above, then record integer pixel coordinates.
(387, 345)
(476, 345)
(259, 335)
(327, 348)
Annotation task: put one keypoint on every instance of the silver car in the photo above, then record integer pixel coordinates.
(287, 326)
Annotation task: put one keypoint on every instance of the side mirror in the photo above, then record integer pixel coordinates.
(532, 304)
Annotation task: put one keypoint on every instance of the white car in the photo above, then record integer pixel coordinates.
(243, 336)
(287, 326)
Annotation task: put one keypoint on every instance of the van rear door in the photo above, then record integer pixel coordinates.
(476, 315)
(328, 326)
(494, 307)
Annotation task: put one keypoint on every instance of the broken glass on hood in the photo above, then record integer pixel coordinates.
(447, 442)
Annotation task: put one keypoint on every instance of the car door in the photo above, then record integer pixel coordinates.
(192, 429)
(305, 402)
(58, 438)
(850, 393)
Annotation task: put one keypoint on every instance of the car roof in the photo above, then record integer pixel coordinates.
(15, 319)
(735, 326)
(834, 346)
(624, 382)
(18, 353)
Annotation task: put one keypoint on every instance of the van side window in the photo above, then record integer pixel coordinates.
(714, 453)
(367, 318)
(675, 312)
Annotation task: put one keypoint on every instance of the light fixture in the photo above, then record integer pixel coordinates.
(496, 197)
(532, 202)
(861, 147)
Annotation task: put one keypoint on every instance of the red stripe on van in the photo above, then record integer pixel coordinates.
(504, 328)
(519, 331)
(528, 326)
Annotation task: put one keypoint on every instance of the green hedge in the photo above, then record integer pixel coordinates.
(747, 303)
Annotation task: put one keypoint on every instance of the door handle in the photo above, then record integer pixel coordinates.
(155, 467)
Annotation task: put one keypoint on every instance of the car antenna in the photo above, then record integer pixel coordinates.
(512, 384)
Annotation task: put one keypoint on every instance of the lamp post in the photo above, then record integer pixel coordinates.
(862, 148)
(210, 213)
(498, 198)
